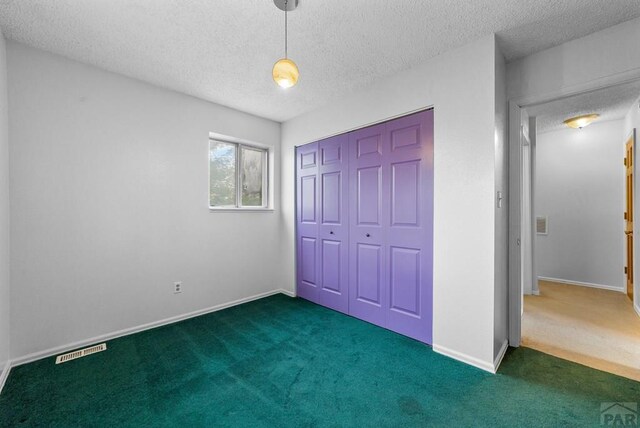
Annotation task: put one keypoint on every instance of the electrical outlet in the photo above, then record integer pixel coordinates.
(177, 287)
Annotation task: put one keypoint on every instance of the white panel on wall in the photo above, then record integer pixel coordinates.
(580, 186)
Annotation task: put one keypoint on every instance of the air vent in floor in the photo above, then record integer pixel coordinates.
(80, 353)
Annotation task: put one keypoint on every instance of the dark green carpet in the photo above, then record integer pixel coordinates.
(286, 362)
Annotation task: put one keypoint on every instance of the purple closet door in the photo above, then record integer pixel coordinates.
(368, 298)
(410, 225)
(307, 222)
(365, 224)
(333, 231)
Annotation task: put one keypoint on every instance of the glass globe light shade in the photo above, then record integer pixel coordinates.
(285, 73)
(580, 122)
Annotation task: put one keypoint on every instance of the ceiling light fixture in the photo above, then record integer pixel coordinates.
(580, 122)
(285, 72)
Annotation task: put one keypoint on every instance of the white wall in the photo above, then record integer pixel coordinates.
(631, 122)
(109, 204)
(461, 86)
(580, 187)
(4, 210)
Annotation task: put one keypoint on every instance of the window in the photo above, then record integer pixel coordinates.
(237, 175)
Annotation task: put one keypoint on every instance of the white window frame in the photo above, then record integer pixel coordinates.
(238, 176)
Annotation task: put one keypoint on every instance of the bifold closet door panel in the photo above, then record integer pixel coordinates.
(333, 230)
(308, 215)
(368, 297)
(410, 225)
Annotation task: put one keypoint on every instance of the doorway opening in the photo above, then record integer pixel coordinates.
(572, 265)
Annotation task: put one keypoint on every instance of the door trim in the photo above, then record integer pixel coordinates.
(515, 219)
(631, 138)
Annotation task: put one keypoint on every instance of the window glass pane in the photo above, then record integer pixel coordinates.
(252, 177)
(222, 174)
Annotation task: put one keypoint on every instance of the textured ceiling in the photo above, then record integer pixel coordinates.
(223, 50)
(610, 103)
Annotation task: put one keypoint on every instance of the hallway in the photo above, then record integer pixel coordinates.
(594, 327)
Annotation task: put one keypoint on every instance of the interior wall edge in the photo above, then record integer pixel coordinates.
(38, 355)
(487, 366)
(501, 353)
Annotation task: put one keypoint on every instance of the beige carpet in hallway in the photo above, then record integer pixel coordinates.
(594, 327)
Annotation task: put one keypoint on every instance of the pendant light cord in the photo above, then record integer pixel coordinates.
(285, 28)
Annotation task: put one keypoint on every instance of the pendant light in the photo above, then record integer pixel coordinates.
(285, 71)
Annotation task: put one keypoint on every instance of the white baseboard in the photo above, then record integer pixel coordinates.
(583, 284)
(500, 356)
(483, 365)
(127, 331)
(637, 309)
(287, 292)
(4, 375)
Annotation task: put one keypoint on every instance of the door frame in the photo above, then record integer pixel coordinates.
(631, 137)
(515, 107)
(528, 241)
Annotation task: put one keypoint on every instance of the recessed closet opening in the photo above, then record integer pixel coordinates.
(364, 229)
